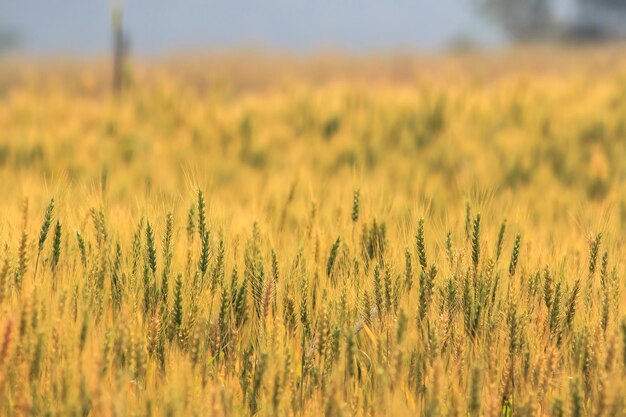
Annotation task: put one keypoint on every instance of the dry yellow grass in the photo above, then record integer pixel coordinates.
(380, 238)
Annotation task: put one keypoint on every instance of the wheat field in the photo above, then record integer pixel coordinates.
(381, 238)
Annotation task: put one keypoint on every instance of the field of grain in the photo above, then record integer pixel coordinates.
(392, 237)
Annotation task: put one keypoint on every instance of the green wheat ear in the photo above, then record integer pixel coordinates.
(594, 246)
(500, 239)
(177, 308)
(476, 242)
(167, 256)
(408, 270)
(449, 249)
(571, 304)
(45, 226)
(421, 245)
(355, 205)
(151, 251)
(191, 226)
(22, 252)
(56, 246)
(201, 215)
(82, 248)
(219, 271)
(515, 255)
(332, 256)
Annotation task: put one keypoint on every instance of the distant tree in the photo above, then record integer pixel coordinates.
(535, 20)
(522, 20)
(8, 40)
(603, 13)
(613, 4)
(597, 21)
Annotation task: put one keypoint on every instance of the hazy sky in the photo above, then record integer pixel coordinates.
(162, 26)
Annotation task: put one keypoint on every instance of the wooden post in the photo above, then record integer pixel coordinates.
(119, 50)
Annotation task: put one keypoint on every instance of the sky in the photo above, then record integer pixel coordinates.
(159, 27)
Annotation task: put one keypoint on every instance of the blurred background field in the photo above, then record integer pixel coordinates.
(438, 125)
